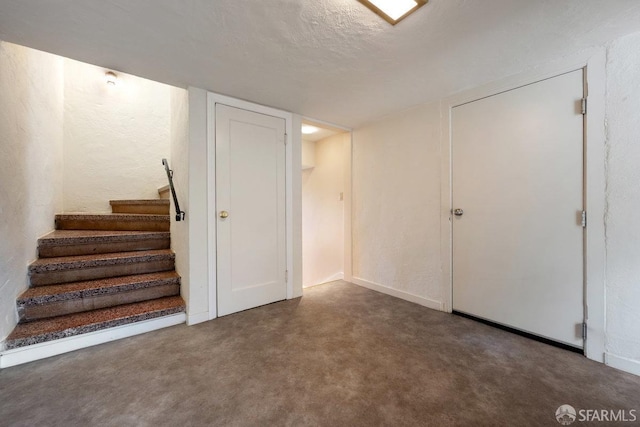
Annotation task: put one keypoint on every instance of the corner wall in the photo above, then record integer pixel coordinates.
(31, 144)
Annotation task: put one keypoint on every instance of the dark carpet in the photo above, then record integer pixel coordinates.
(340, 356)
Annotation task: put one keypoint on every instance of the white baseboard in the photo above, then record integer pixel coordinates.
(43, 350)
(333, 278)
(622, 363)
(194, 319)
(426, 302)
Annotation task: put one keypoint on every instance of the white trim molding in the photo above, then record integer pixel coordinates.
(622, 363)
(43, 350)
(425, 302)
(594, 63)
(332, 278)
(194, 319)
(348, 210)
(199, 252)
(296, 146)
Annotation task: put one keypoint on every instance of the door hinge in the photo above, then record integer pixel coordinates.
(584, 219)
(285, 139)
(286, 276)
(584, 330)
(584, 106)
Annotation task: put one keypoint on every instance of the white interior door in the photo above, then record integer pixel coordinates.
(517, 162)
(250, 204)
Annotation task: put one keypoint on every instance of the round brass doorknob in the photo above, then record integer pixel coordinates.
(224, 214)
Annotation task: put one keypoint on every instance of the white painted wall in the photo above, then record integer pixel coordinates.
(396, 184)
(308, 154)
(623, 199)
(198, 307)
(396, 204)
(31, 138)
(114, 138)
(323, 211)
(179, 163)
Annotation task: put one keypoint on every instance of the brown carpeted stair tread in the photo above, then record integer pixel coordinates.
(113, 221)
(75, 324)
(59, 270)
(87, 261)
(66, 237)
(89, 288)
(162, 202)
(152, 206)
(62, 243)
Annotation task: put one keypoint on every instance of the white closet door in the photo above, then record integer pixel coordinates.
(250, 204)
(517, 162)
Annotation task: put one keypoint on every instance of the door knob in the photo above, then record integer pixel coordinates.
(458, 212)
(224, 214)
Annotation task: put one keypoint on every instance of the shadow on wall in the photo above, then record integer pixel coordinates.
(31, 131)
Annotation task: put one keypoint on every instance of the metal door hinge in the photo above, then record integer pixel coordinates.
(285, 139)
(584, 106)
(584, 219)
(286, 276)
(584, 330)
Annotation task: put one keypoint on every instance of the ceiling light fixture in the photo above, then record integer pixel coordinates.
(393, 11)
(111, 78)
(308, 130)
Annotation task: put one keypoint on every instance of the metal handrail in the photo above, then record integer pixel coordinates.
(179, 214)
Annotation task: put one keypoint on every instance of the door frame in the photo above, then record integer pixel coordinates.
(212, 100)
(593, 62)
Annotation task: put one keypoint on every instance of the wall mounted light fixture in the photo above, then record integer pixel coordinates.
(111, 78)
(393, 11)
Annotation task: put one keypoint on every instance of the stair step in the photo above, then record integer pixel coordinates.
(124, 222)
(152, 207)
(58, 300)
(164, 192)
(40, 331)
(62, 243)
(58, 270)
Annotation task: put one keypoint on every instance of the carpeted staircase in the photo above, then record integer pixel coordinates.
(98, 271)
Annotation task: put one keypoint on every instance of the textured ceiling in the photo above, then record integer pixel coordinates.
(332, 60)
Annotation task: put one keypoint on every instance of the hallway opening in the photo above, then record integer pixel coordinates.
(325, 170)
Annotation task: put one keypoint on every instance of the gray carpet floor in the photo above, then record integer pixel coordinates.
(340, 356)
